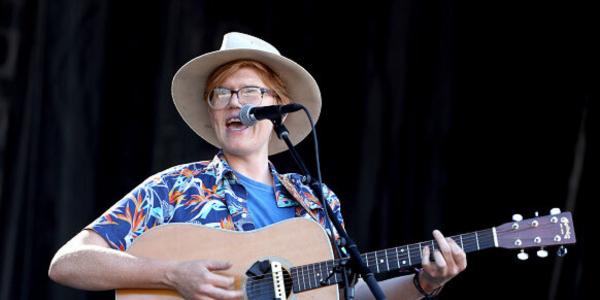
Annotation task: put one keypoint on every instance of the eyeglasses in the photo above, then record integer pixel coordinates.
(219, 97)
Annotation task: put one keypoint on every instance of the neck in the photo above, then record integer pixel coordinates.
(254, 166)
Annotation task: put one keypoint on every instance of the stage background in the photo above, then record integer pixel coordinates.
(436, 114)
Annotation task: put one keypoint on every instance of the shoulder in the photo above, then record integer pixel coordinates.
(301, 182)
(179, 172)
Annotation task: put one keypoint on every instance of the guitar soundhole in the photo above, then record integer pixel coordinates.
(260, 287)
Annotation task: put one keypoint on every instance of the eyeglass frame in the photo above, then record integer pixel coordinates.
(262, 90)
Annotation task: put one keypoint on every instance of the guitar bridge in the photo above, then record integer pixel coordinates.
(278, 283)
(268, 280)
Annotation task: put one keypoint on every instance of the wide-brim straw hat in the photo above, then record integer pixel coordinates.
(189, 84)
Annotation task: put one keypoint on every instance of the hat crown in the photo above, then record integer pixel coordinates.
(236, 40)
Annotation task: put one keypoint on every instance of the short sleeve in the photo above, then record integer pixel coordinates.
(144, 207)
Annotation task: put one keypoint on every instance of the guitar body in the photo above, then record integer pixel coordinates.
(293, 242)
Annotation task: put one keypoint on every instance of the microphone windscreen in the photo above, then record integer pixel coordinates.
(245, 117)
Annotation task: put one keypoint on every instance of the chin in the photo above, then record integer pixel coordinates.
(240, 149)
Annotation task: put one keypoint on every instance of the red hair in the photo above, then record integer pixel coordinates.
(268, 76)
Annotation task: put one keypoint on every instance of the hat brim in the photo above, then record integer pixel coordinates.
(189, 84)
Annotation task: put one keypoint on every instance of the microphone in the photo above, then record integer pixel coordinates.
(250, 114)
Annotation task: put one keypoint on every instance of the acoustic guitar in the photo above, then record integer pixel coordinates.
(294, 259)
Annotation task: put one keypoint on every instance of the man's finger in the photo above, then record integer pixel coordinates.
(217, 265)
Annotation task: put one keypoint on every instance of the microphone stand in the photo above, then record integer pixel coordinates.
(356, 261)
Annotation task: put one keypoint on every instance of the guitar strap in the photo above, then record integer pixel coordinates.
(289, 186)
(333, 236)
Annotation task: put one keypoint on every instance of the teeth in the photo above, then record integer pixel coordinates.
(233, 120)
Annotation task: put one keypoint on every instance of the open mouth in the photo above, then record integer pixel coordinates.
(235, 124)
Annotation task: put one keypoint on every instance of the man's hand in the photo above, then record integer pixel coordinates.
(450, 260)
(197, 280)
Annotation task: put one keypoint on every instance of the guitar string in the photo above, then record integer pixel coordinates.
(266, 284)
(372, 259)
(311, 273)
(261, 285)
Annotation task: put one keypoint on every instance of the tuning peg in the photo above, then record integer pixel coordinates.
(517, 217)
(562, 251)
(542, 253)
(555, 211)
(522, 255)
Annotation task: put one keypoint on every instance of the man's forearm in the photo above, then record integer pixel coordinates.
(94, 267)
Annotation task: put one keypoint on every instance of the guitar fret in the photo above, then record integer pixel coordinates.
(408, 250)
(335, 273)
(466, 240)
(307, 274)
(311, 275)
(301, 279)
(405, 254)
(397, 258)
(387, 260)
(477, 240)
(295, 280)
(413, 252)
(301, 270)
(376, 262)
(320, 275)
(314, 275)
(469, 240)
(487, 239)
(461, 242)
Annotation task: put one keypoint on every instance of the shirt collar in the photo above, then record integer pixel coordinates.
(221, 169)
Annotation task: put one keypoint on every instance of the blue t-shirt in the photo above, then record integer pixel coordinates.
(261, 203)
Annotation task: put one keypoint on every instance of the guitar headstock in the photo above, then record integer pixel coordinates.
(555, 229)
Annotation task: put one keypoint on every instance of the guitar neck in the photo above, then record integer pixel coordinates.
(403, 257)
(407, 256)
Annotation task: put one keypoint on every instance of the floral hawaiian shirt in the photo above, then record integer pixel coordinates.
(206, 193)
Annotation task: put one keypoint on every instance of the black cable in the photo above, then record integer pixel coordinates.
(348, 294)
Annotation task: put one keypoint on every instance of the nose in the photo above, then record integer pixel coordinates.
(237, 100)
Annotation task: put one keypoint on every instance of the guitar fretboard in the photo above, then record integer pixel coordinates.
(320, 274)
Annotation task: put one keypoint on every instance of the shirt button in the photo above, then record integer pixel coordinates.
(244, 215)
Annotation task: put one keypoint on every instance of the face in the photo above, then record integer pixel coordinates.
(235, 138)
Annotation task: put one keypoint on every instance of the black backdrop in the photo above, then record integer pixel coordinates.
(436, 114)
